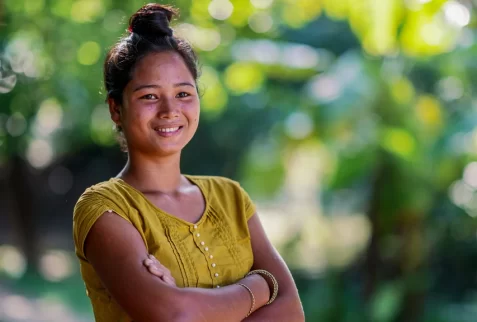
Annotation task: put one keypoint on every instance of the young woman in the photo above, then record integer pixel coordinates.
(214, 261)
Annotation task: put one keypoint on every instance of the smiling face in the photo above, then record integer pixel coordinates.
(160, 108)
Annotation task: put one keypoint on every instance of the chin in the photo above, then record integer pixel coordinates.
(168, 151)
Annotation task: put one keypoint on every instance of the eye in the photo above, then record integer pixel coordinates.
(149, 97)
(182, 95)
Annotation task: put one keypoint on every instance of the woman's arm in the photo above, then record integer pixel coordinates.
(116, 251)
(287, 306)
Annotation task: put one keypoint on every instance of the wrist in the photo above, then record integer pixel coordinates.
(259, 286)
(271, 281)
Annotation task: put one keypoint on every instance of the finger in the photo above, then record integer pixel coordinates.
(153, 267)
(168, 274)
(155, 271)
(155, 261)
(164, 271)
(161, 267)
(153, 258)
(169, 280)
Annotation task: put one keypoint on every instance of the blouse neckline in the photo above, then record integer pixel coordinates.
(149, 202)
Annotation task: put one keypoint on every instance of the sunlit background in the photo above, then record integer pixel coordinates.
(352, 124)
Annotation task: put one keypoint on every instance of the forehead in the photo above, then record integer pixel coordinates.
(161, 67)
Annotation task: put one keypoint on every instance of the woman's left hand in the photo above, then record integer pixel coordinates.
(156, 268)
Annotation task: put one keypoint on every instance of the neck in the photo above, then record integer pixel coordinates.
(160, 174)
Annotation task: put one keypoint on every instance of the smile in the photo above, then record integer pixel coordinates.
(168, 131)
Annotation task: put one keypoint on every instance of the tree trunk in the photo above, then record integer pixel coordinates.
(372, 260)
(21, 196)
(412, 260)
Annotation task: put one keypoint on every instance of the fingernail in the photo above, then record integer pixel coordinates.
(151, 256)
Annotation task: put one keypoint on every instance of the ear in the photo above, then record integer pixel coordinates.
(115, 111)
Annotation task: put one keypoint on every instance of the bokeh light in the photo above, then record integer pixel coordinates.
(214, 98)
(325, 88)
(56, 265)
(60, 180)
(261, 4)
(202, 38)
(7, 83)
(40, 153)
(12, 261)
(243, 77)
(221, 9)
(260, 22)
(456, 13)
(17, 308)
(16, 124)
(299, 125)
(102, 125)
(88, 53)
(49, 117)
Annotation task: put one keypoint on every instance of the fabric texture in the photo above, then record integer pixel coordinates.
(223, 233)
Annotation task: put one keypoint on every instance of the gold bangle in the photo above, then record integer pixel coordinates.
(272, 278)
(253, 298)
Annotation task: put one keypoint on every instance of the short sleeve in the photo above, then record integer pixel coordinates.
(249, 205)
(90, 206)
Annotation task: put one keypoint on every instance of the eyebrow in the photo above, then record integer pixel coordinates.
(158, 86)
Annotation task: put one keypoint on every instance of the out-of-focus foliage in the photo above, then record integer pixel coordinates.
(352, 123)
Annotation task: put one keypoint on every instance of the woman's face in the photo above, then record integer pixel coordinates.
(160, 110)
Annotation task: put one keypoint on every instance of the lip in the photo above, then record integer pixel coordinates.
(169, 134)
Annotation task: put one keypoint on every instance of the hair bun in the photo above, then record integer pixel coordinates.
(153, 19)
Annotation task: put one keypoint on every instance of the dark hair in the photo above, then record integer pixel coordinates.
(149, 31)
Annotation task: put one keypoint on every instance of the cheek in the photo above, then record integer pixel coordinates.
(143, 112)
(196, 118)
(192, 111)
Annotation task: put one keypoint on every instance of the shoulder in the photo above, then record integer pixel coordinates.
(107, 195)
(102, 189)
(216, 184)
(110, 191)
(214, 180)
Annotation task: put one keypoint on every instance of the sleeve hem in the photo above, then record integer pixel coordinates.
(83, 234)
(250, 211)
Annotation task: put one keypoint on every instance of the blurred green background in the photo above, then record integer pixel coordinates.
(352, 124)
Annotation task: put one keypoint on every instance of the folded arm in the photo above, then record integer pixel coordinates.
(116, 251)
(287, 306)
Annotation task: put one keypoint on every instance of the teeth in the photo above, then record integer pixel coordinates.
(168, 129)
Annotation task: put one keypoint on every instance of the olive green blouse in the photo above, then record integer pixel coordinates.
(213, 252)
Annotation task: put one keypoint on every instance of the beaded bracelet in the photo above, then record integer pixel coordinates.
(272, 278)
(253, 298)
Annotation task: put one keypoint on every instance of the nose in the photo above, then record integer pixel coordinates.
(168, 109)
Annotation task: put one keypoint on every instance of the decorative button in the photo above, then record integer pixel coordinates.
(216, 274)
(218, 286)
(211, 256)
(206, 249)
(198, 235)
(202, 243)
(110, 211)
(195, 226)
(213, 265)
